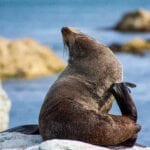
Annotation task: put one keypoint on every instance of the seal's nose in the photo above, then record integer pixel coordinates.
(65, 30)
(69, 30)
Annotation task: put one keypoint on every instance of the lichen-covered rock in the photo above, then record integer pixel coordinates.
(4, 109)
(17, 141)
(135, 46)
(27, 58)
(135, 21)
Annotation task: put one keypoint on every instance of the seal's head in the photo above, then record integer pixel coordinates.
(80, 45)
(89, 57)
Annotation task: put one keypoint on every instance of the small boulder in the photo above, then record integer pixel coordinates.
(27, 58)
(18, 141)
(68, 145)
(5, 105)
(136, 21)
(134, 46)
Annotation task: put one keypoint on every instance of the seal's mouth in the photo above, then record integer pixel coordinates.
(69, 34)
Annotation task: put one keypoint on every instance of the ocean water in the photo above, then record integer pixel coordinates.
(43, 19)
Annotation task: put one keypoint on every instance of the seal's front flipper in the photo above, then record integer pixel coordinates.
(25, 129)
(124, 99)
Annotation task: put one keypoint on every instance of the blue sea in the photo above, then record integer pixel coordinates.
(43, 19)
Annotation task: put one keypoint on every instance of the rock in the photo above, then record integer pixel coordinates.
(18, 141)
(68, 144)
(135, 21)
(27, 58)
(134, 46)
(4, 109)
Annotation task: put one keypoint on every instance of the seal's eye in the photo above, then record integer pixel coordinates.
(83, 43)
(79, 48)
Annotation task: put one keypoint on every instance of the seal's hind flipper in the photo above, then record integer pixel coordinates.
(124, 99)
(25, 129)
(122, 92)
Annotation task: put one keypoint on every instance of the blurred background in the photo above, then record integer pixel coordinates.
(42, 21)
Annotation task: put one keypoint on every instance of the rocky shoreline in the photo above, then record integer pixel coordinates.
(17, 141)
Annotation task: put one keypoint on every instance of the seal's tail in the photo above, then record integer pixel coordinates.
(25, 129)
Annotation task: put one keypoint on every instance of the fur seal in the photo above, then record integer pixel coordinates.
(77, 105)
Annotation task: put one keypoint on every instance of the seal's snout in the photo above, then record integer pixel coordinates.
(65, 30)
(69, 35)
(68, 30)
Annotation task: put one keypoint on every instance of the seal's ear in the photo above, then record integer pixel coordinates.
(124, 99)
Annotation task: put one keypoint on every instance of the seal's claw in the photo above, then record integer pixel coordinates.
(126, 85)
(129, 84)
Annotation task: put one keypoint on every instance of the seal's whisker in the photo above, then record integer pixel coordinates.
(65, 50)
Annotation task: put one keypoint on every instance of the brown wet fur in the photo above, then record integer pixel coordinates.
(76, 106)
